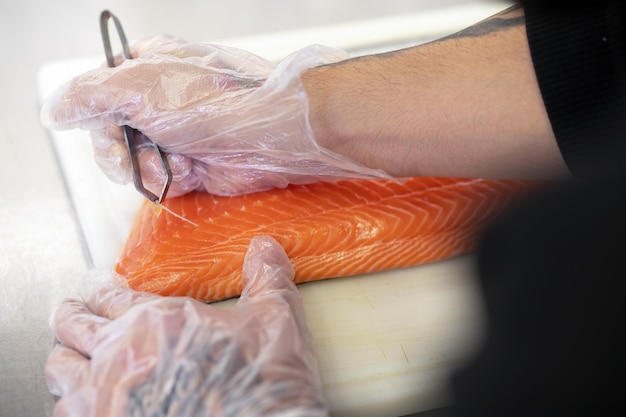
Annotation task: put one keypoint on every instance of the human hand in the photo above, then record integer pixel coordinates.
(230, 122)
(126, 353)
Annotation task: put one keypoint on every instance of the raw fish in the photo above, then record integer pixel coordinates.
(329, 230)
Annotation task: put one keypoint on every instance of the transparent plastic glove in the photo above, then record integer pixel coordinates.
(231, 122)
(125, 353)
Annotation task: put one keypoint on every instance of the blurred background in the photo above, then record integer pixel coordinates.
(41, 253)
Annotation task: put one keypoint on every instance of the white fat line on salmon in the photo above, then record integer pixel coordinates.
(160, 207)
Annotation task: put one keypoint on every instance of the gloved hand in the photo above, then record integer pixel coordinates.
(231, 122)
(126, 353)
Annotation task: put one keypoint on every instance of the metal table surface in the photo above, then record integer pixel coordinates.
(41, 253)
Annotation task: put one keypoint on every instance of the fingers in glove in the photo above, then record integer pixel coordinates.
(153, 174)
(136, 91)
(267, 281)
(111, 302)
(81, 102)
(66, 370)
(111, 154)
(163, 45)
(266, 267)
(269, 290)
(143, 47)
(60, 409)
(76, 327)
(268, 287)
(118, 96)
(112, 157)
(215, 57)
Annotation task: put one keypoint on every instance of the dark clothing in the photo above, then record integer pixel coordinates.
(579, 54)
(553, 270)
(553, 278)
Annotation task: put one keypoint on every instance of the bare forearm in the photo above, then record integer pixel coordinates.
(466, 105)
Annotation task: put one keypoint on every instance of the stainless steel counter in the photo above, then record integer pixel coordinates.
(41, 253)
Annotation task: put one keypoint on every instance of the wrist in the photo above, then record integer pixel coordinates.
(372, 109)
(349, 110)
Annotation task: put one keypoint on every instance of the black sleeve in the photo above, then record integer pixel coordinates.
(578, 51)
(553, 270)
(553, 280)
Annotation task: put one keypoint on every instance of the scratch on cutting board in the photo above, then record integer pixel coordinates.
(369, 301)
(406, 357)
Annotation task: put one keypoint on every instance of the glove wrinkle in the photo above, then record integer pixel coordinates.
(175, 356)
(231, 122)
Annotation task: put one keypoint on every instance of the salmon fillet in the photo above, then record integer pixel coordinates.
(328, 230)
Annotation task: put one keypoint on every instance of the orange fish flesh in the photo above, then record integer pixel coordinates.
(328, 230)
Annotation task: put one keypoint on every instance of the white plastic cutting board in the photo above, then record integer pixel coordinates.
(385, 341)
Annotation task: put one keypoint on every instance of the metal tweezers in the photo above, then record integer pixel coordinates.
(130, 134)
